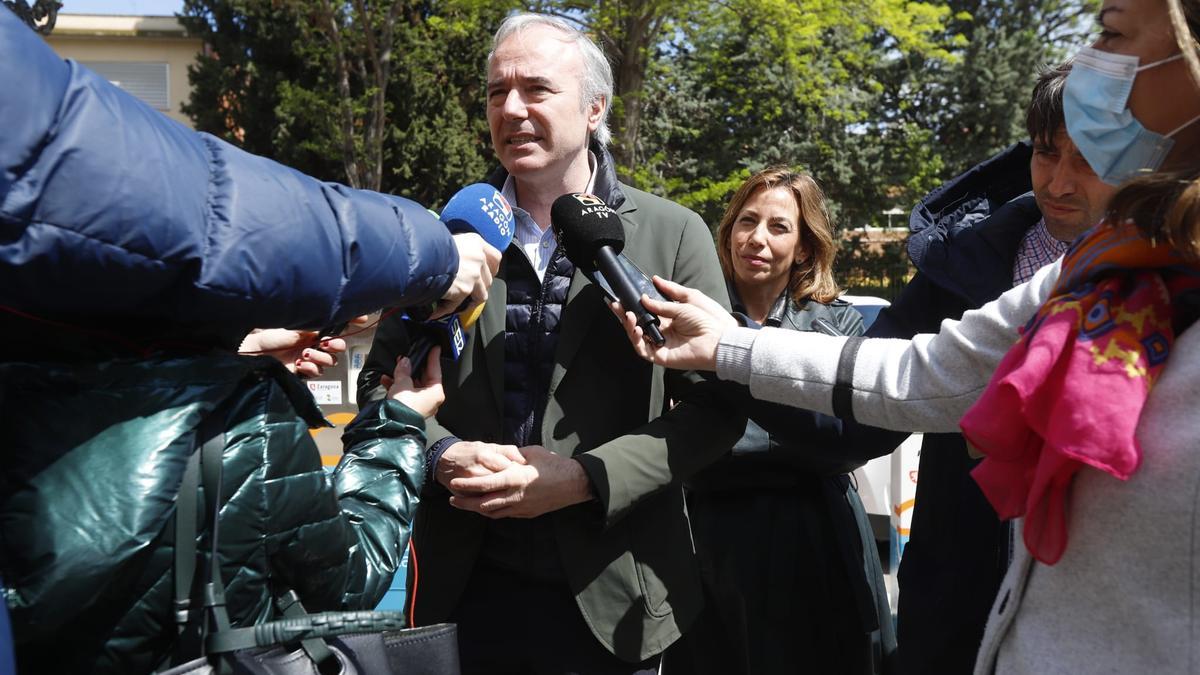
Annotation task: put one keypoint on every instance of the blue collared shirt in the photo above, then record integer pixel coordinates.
(537, 242)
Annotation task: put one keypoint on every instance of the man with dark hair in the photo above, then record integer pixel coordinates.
(552, 528)
(972, 239)
(1069, 195)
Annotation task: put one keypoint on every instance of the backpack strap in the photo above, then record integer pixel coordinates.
(209, 632)
(189, 628)
(185, 542)
(211, 464)
(211, 460)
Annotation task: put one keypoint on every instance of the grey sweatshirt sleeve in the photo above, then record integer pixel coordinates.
(922, 384)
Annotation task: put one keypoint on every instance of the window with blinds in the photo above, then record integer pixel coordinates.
(147, 81)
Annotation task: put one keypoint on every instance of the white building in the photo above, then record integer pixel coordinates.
(147, 56)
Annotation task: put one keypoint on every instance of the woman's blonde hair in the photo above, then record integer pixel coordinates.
(1166, 205)
(812, 273)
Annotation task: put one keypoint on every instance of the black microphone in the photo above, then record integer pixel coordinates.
(450, 333)
(591, 237)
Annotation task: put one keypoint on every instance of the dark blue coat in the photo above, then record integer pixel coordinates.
(964, 240)
(109, 209)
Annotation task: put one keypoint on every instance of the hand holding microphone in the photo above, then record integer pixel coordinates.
(591, 236)
(422, 391)
(477, 264)
(693, 326)
(477, 213)
(482, 224)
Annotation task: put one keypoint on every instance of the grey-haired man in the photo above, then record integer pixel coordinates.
(552, 529)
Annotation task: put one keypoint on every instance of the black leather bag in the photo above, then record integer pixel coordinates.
(349, 643)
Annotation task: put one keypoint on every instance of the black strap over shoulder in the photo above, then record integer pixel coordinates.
(211, 463)
(843, 384)
(209, 631)
(190, 624)
(185, 542)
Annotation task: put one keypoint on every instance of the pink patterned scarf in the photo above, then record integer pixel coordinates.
(1070, 392)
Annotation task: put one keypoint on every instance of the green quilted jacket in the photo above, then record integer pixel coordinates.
(93, 458)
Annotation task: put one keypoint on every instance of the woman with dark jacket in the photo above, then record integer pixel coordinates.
(94, 454)
(792, 572)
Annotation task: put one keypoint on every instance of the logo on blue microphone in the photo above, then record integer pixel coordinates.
(499, 211)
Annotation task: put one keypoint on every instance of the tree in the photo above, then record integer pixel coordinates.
(880, 101)
(353, 43)
(632, 33)
(763, 83)
(356, 91)
(975, 105)
(627, 31)
(239, 79)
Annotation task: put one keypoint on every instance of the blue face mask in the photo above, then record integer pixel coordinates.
(1095, 100)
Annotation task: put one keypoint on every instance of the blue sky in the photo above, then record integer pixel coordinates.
(150, 7)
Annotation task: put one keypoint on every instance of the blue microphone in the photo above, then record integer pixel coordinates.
(476, 209)
(479, 209)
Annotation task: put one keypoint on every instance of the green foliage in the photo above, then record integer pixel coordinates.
(976, 105)
(273, 83)
(881, 100)
(240, 81)
(767, 82)
(881, 270)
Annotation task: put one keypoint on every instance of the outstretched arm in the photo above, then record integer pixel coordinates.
(922, 384)
(359, 519)
(110, 208)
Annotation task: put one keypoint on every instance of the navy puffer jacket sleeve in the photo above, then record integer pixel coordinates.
(109, 208)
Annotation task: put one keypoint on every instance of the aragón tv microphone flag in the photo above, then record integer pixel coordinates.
(592, 239)
(477, 208)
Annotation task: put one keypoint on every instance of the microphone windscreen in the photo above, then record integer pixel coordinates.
(583, 224)
(480, 208)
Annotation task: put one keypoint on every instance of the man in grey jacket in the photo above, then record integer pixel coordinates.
(553, 530)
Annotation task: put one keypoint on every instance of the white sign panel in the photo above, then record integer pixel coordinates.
(326, 392)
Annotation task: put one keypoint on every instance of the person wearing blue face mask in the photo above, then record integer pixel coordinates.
(1095, 103)
(1088, 429)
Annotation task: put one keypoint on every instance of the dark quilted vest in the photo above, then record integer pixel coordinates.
(530, 340)
(534, 307)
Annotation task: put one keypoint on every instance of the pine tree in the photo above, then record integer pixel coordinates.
(363, 94)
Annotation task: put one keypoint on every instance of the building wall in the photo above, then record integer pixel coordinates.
(87, 38)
